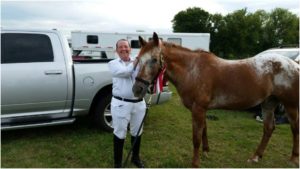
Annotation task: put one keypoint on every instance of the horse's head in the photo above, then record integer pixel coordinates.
(150, 64)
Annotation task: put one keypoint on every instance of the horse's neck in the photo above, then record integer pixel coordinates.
(176, 66)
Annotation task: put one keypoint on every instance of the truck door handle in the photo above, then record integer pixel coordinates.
(53, 72)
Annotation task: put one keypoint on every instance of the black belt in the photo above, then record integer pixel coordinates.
(128, 100)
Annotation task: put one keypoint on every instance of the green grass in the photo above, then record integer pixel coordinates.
(166, 142)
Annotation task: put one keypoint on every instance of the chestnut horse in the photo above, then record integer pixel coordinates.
(205, 81)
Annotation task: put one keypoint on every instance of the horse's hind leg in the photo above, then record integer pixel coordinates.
(268, 108)
(293, 116)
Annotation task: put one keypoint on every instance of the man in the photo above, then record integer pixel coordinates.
(125, 108)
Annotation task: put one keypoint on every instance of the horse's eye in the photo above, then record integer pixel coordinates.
(154, 60)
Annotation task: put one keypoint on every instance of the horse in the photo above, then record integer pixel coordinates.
(205, 81)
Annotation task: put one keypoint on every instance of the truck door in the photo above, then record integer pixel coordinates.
(34, 78)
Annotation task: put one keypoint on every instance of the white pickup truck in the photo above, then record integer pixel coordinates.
(41, 85)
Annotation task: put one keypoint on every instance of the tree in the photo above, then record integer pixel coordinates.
(241, 34)
(245, 32)
(282, 28)
(191, 20)
(258, 21)
(238, 34)
(217, 34)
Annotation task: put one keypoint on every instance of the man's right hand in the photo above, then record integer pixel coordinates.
(135, 62)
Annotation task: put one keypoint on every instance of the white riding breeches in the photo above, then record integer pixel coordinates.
(126, 112)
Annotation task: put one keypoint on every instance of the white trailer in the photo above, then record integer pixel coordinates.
(106, 41)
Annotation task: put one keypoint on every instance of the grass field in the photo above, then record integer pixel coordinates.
(166, 142)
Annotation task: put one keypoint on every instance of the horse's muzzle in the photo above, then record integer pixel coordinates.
(139, 90)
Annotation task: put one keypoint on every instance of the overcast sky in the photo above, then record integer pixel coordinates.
(120, 15)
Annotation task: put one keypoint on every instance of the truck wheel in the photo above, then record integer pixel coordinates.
(102, 114)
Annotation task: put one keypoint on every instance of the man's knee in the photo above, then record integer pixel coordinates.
(134, 131)
(121, 134)
(120, 129)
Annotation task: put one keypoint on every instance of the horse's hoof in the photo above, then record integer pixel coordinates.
(195, 165)
(253, 159)
(295, 160)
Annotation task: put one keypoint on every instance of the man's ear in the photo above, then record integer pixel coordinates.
(142, 41)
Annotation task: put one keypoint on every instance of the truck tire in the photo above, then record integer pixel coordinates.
(102, 115)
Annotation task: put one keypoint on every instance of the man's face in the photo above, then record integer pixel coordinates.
(123, 50)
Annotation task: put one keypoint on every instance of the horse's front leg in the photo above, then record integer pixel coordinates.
(198, 118)
(205, 146)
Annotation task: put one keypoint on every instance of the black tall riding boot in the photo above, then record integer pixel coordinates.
(136, 151)
(118, 151)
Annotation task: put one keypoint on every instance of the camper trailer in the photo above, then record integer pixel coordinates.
(103, 44)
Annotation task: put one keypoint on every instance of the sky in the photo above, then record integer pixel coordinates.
(119, 15)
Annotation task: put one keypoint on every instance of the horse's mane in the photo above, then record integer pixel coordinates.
(172, 45)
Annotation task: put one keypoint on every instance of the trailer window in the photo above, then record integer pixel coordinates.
(24, 48)
(135, 44)
(176, 41)
(92, 39)
(152, 38)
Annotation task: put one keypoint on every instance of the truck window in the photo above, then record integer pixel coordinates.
(92, 39)
(23, 48)
(135, 44)
(88, 55)
(176, 41)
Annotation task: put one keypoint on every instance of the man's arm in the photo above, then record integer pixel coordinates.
(119, 70)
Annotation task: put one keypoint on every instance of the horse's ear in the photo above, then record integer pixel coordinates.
(155, 39)
(142, 41)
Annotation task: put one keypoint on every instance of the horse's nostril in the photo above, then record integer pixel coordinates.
(137, 89)
(140, 89)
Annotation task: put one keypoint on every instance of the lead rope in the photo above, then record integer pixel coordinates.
(148, 104)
